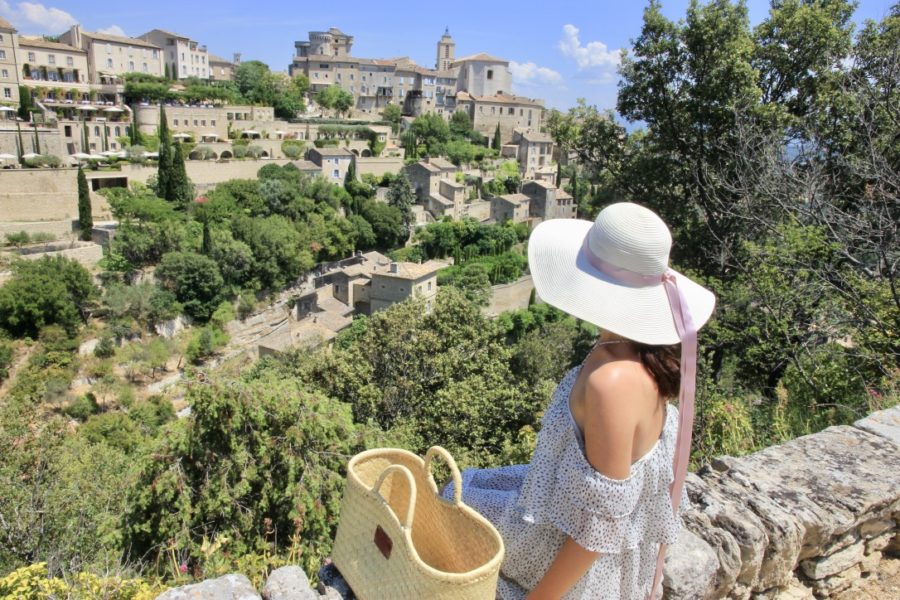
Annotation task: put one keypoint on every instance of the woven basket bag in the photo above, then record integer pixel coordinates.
(399, 540)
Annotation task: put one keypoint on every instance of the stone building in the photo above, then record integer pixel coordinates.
(334, 162)
(333, 42)
(510, 207)
(534, 151)
(483, 75)
(111, 56)
(51, 67)
(184, 56)
(446, 52)
(221, 69)
(9, 69)
(396, 282)
(548, 202)
(509, 111)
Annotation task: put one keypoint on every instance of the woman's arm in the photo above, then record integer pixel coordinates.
(609, 423)
(571, 563)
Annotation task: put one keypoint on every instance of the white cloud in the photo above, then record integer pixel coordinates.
(531, 74)
(32, 17)
(113, 30)
(591, 55)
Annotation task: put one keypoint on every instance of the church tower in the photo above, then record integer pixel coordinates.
(446, 51)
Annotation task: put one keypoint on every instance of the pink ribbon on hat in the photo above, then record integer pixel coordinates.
(687, 333)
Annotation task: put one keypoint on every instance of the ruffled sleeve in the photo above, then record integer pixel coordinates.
(607, 515)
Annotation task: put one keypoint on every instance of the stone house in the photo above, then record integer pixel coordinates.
(9, 68)
(510, 207)
(185, 57)
(221, 69)
(111, 56)
(509, 111)
(426, 176)
(396, 282)
(52, 66)
(334, 162)
(548, 201)
(534, 151)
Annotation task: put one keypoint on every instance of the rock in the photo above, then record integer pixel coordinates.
(333, 585)
(885, 423)
(888, 542)
(228, 587)
(87, 348)
(875, 527)
(870, 562)
(288, 583)
(793, 591)
(168, 329)
(690, 570)
(837, 583)
(820, 568)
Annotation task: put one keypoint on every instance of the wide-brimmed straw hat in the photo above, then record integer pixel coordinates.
(611, 273)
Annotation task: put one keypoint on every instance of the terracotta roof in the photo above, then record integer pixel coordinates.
(536, 136)
(499, 99)
(410, 270)
(42, 43)
(443, 164)
(482, 56)
(169, 33)
(118, 39)
(4, 24)
(305, 165)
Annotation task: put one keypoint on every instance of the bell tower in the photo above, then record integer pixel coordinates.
(446, 52)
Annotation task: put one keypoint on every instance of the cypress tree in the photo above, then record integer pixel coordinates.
(558, 174)
(20, 145)
(168, 73)
(164, 171)
(575, 185)
(180, 188)
(206, 244)
(351, 176)
(37, 139)
(497, 142)
(25, 103)
(105, 138)
(85, 220)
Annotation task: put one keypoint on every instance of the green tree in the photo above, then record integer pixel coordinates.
(85, 220)
(473, 280)
(387, 224)
(497, 141)
(461, 125)
(392, 114)
(49, 291)
(194, 279)
(181, 190)
(25, 103)
(433, 131)
(165, 170)
(334, 97)
(401, 196)
(258, 461)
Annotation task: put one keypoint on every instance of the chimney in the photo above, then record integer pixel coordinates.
(237, 58)
(75, 34)
(394, 268)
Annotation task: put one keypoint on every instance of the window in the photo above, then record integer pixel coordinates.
(429, 286)
(70, 62)
(493, 109)
(5, 73)
(203, 122)
(2, 53)
(7, 92)
(316, 75)
(109, 64)
(156, 54)
(67, 130)
(511, 111)
(213, 122)
(131, 65)
(144, 68)
(96, 130)
(176, 122)
(195, 122)
(1, 37)
(118, 131)
(30, 56)
(490, 74)
(336, 174)
(109, 48)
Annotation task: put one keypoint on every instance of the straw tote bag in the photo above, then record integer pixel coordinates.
(399, 540)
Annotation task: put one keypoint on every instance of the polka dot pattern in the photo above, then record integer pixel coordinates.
(559, 494)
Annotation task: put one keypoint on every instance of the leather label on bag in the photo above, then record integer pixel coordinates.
(383, 542)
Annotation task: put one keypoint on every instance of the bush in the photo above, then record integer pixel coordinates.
(194, 279)
(52, 290)
(82, 407)
(115, 429)
(32, 582)
(254, 151)
(240, 151)
(293, 149)
(205, 343)
(17, 239)
(6, 357)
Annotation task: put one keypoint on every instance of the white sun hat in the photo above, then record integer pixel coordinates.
(611, 272)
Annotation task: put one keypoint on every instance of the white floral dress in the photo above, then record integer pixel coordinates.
(536, 506)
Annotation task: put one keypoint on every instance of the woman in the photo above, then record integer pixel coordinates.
(587, 517)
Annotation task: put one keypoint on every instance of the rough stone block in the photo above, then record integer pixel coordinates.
(875, 527)
(870, 562)
(888, 542)
(288, 583)
(884, 423)
(333, 585)
(793, 591)
(820, 568)
(690, 570)
(837, 583)
(228, 587)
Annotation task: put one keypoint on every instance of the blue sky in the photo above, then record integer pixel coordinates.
(559, 50)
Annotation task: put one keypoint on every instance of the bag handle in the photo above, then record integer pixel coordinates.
(454, 471)
(410, 510)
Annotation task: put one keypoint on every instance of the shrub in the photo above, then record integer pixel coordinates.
(19, 238)
(293, 149)
(82, 407)
(240, 151)
(194, 279)
(6, 357)
(254, 151)
(205, 343)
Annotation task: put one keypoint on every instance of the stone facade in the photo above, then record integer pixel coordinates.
(534, 152)
(398, 281)
(510, 112)
(334, 162)
(185, 57)
(548, 201)
(9, 70)
(111, 56)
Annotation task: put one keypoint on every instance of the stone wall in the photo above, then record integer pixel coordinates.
(44, 195)
(806, 519)
(86, 253)
(378, 165)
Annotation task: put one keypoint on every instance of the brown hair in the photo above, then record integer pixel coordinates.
(664, 365)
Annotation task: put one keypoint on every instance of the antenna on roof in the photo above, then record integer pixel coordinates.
(447, 30)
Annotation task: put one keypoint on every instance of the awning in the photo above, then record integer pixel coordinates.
(113, 109)
(7, 109)
(86, 107)
(250, 132)
(183, 136)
